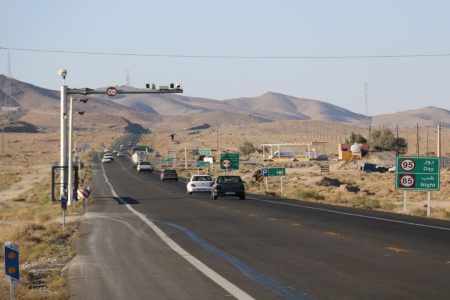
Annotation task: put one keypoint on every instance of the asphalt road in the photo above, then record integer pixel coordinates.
(146, 239)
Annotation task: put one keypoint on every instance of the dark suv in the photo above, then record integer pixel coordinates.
(169, 174)
(228, 185)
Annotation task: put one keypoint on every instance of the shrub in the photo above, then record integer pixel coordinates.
(310, 195)
(247, 148)
(367, 203)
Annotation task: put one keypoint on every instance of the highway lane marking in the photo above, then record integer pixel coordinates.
(332, 233)
(297, 225)
(350, 214)
(208, 272)
(273, 219)
(252, 215)
(397, 250)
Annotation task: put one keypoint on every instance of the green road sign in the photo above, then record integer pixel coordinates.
(143, 148)
(417, 173)
(229, 161)
(204, 152)
(203, 164)
(269, 172)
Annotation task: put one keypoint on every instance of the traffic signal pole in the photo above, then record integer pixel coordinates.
(66, 128)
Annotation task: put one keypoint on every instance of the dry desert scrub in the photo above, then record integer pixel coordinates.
(29, 219)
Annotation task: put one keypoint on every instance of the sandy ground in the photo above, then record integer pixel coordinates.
(35, 175)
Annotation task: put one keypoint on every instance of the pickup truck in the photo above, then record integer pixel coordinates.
(144, 166)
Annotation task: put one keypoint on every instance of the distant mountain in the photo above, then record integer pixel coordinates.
(282, 107)
(173, 111)
(270, 107)
(428, 116)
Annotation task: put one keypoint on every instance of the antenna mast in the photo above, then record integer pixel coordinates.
(127, 78)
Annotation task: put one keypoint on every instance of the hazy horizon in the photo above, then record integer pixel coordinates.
(324, 50)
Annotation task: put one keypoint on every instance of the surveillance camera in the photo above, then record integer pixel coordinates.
(84, 100)
(62, 73)
(81, 112)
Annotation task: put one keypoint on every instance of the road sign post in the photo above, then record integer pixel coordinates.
(417, 173)
(12, 267)
(274, 172)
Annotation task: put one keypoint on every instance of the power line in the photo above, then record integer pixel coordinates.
(230, 56)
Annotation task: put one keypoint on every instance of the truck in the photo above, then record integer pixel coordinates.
(139, 156)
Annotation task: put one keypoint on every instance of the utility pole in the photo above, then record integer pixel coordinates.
(217, 144)
(63, 134)
(439, 140)
(417, 140)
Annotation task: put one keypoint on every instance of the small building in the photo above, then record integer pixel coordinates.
(355, 151)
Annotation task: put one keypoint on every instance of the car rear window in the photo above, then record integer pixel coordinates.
(170, 171)
(145, 163)
(231, 179)
(202, 178)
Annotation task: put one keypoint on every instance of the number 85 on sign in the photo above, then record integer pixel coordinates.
(407, 180)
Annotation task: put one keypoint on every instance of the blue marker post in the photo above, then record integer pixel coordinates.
(12, 267)
(64, 208)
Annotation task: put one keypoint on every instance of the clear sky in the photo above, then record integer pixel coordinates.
(250, 28)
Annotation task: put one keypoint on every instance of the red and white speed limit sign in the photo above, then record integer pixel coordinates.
(111, 91)
(407, 181)
(407, 165)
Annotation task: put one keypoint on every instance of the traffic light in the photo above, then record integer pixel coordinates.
(172, 136)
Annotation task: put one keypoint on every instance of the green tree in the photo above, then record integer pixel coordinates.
(356, 138)
(247, 148)
(385, 140)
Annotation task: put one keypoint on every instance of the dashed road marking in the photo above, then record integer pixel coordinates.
(397, 250)
(332, 233)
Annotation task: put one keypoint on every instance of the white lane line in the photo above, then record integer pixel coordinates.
(207, 271)
(350, 214)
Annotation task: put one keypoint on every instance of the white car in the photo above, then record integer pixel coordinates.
(108, 155)
(199, 184)
(106, 159)
(144, 166)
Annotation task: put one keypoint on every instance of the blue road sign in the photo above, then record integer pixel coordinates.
(12, 261)
(265, 172)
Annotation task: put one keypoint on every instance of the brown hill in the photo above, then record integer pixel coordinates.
(173, 111)
(428, 116)
(283, 107)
